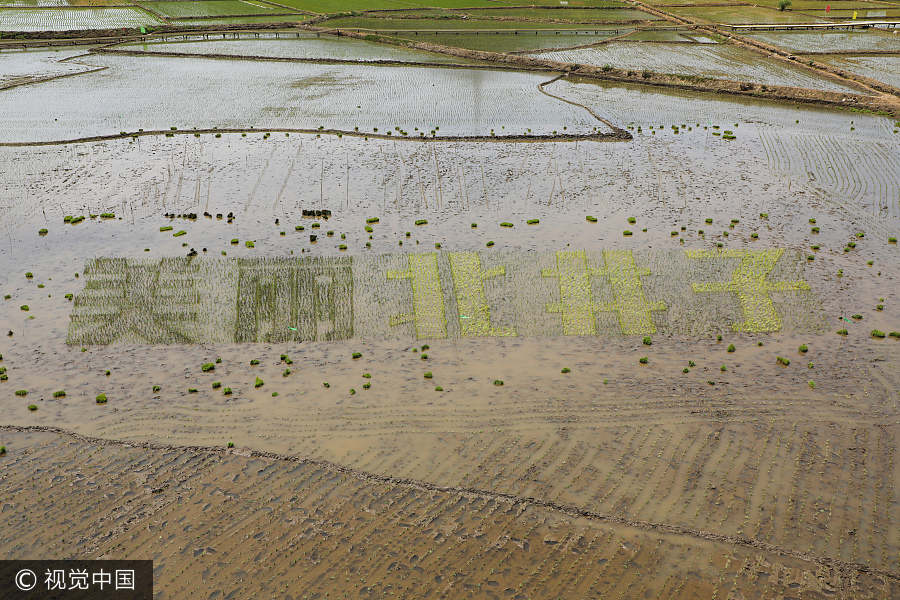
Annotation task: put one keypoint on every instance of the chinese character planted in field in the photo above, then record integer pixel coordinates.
(468, 287)
(749, 282)
(576, 305)
(143, 302)
(428, 315)
(290, 299)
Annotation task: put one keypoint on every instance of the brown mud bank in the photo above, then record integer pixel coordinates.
(616, 135)
(879, 104)
(514, 501)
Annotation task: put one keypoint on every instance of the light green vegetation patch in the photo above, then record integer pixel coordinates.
(742, 15)
(338, 6)
(66, 19)
(209, 8)
(436, 295)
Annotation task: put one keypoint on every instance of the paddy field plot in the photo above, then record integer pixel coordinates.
(307, 46)
(721, 61)
(159, 93)
(881, 68)
(831, 40)
(509, 42)
(743, 15)
(64, 19)
(378, 24)
(17, 67)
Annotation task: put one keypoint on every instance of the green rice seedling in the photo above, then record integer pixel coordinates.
(842, 332)
(474, 225)
(489, 244)
(32, 407)
(249, 244)
(438, 388)
(286, 372)
(258, 383)
(353, 391)
(29, 275)
(192, 390)
(216, 385)
(754, 236)
(532, 221)
(877, 333)
(811, 384)
(857, 317)
(21, 392)
(369, 229)
(356, 355)
(2, 450)
(206, 367)
(647, 341)
(101, 398)
(325, 384)
(892, 240)
(673, 233)
(107, 215)
(274, 394)
(723, 368)
(234, 241)
(59, 394)
(68, 297)
(226, 391)
(421, 221)
(699, 232)
(895, 334)
(632, 220)
(299, 228)
(506, 224)
(315, 225)
(498, 382)
(782, 360)
(763, 215)
(229, 445)
(67, 219)
(367, 376)
(718, 337)
(372, 220)
(815, 230)
(731, 348)
(879, 307)
(708, 221)
(692, 364)
(428, 375)
(330, 233)
(179, 233)
(803, 348)
(860, 234)
(42, 231)
(424, 357)
(626, 233)
(812, 221)
(566, 370)
(591, 219)
(643, 360)
(342, 247)
(367, 385)
(25, 307)
(809, 365)
(108, 373)
(254, 362)
(685, 370)
(218, 360)
(283, 357)
(156, 388)
(870, 262)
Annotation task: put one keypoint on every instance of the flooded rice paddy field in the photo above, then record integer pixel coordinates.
(305, 46)
(161, 92)
(881, 68)
(832, 40)
(63, 19)
(549, 368)
(719, 61)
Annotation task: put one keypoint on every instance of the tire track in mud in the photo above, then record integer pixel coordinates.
(473, 493)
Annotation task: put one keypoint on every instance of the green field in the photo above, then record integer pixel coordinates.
(337, 6)
(208, 8)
